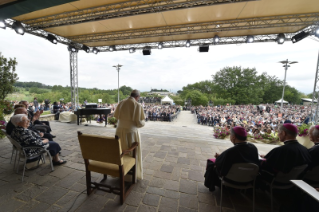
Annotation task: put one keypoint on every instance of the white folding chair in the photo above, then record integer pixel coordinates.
(242, 173)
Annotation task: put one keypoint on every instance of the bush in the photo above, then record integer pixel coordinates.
(112, 120)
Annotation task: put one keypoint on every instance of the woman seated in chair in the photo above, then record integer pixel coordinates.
(27, 137)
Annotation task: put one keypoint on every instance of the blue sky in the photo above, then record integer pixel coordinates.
(41, 61)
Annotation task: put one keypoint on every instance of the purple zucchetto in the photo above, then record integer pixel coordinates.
(317, 127)
(291, 127)
(240, 131)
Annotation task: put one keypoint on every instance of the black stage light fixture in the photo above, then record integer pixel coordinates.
(18, 27)
(299, 36)
(131, 50)
(160, 45)
(146, 51)
(2, 24)
(72, 48)
(52, 38)
(250, 39)
(317, 32)
(188, 43)
(216, 39)
(95, 50)
(86, 48)
(112, 48)
(281, 38)
(203, 48)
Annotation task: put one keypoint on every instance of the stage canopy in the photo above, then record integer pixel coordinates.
(279, 101)
(166, 100)
(137, 24)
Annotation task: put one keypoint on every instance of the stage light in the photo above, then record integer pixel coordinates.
(203, 48)
(95, 50)
(2, 24)
(52, 38)
(17, 26)
(188, 43)
(250, 39)
(216, 39)
(72, 48)
(86, 48)
(299, 36)
(281, 38)
(317, 32)
(147, 51)
(160, 45)
(131, 50)
(112, 48)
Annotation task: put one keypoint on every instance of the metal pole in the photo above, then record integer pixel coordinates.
(283, 91)
(315, 116)
(118, 85)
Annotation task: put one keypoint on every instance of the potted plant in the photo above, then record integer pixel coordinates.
(112, 120)
(220, 133)
(303, 137)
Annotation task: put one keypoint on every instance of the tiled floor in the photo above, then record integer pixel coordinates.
(174, 160)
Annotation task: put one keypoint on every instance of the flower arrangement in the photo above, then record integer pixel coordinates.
(220, 133)
(258, 136)
(303, 130)
(112, 120)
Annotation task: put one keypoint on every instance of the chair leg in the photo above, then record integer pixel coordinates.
(104, 177)
(221, 197)
(18, 164)
(88, 182)
(51, 162)
(271, 200)
(15, 160)
(25, 163)
(12, 154)
(122, 187)
(134, 175)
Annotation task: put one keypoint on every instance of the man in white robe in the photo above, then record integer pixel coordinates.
(130, 116)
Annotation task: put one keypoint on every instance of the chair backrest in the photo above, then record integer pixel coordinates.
(313, 174)
(101, 148)
(294, 174)
(243, 172)
(16, 144)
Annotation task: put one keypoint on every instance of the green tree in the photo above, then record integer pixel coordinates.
(7, 76)
(121, 96)
(197, 98)
(240, 84)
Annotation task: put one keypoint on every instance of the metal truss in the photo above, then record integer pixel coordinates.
(202, 42)
(121, 9)
(207, 27)
(74, 79)
(315, 116)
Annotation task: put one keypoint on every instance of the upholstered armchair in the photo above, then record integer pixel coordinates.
(104, 155)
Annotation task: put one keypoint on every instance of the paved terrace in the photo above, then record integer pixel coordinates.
(174, 160)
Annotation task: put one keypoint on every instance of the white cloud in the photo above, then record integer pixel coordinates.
(39, 60)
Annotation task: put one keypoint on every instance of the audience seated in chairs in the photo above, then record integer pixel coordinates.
(241, 152)
(27, 137)
(34, 119)
(21, 110)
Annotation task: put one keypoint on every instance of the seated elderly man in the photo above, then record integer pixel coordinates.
(27, 137)
(314, 151)
(241, 152)
(288, 156)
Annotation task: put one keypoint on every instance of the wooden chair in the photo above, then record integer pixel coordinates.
(104, 155)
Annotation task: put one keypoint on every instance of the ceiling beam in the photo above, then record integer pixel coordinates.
(301, 20)
(119, 10)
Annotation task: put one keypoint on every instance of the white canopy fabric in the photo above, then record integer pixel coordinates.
(279, 101)
(167, 99)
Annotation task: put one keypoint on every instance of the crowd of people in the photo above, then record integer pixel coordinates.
(160, 112)
(254, 118)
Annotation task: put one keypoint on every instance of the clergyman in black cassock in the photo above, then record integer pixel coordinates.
(314, 151)
(288, 156)
(241, 152)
